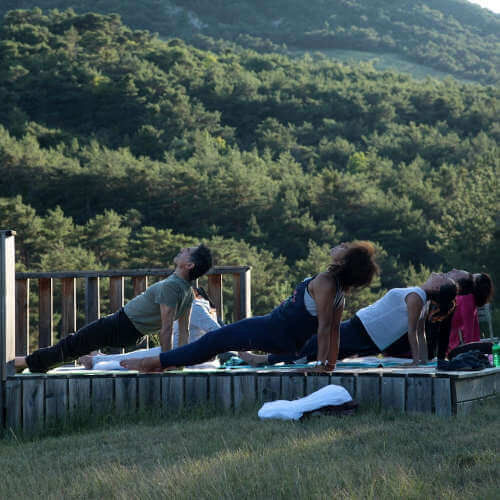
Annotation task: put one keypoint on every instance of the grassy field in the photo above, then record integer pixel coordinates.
(382, 62)
(370, 455)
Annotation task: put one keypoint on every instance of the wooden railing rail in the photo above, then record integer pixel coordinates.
(241, 276)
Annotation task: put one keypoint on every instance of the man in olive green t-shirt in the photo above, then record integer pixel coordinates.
(155, 309)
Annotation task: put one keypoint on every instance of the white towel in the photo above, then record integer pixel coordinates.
(292, 410)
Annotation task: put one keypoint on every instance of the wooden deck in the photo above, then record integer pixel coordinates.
(34, 401)
(31, 402)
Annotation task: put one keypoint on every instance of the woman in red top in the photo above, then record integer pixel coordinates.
(475, 290)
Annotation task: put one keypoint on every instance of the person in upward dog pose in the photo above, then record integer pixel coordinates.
(154, 310)
(315, 307)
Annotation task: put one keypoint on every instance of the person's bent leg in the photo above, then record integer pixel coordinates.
(115, 330)
(354, 339)
(309, 351)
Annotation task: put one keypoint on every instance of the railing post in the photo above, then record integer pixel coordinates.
(45, 307)
(116, 293)
(7, 311)
(92, 299)
(215, 293)
(68, 319)
(22, 316)
(139, 283)
(246, 294)
(242, 295)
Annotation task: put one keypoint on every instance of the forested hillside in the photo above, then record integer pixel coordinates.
(453, 36)
(116, 147)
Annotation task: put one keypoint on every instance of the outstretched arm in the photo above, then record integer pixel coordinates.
(414, 304)
(184, 328)
(335, 338)
(323, 292)
(167, 321)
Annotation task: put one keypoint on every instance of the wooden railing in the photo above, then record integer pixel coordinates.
(92, 301)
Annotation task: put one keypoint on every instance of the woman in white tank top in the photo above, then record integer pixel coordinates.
(401, 311)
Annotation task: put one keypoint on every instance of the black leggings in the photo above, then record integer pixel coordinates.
(115, 330)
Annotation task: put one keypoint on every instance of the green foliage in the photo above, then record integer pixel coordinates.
(452, 36)
(117, 147)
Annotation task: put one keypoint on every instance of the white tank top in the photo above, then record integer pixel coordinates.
(387, 319)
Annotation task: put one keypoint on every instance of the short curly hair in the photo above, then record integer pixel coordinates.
(357, 267)
(202, 260)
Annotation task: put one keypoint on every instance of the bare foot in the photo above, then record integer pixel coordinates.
(144, 365)
(86, 361)
(20, 363)
(254, 359)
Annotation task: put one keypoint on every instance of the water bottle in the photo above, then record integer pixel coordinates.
(496, 355)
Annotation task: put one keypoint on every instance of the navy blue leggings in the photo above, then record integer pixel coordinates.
(354, 340)
(261, 333)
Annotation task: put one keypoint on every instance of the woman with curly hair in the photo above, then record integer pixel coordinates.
(315, 307)
(394, 324)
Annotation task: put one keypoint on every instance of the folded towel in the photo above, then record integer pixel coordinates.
(330, 395)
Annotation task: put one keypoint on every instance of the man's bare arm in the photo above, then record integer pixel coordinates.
(167, 322)
(184, 327)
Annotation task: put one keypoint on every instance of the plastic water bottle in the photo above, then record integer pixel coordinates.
(496, 355)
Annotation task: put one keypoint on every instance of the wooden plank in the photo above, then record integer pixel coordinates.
(149, 391)
(237, 315)
(441, 390)
(268, 387)
(68, 306)
(7, 305)
(116, 293)
(346, 381)
(22, 316)
(45, 312)
(315, 382)
(466, 407)
(215, 293)
(92, 300)
(126, 393)
(393, 392)
(13, 404)
(124, 272)
(293, 386)
(102, 395)
(79, 396)
(33, 402)
(419, 394)
(196, 389)
(220, 391)
(56, 399)
(474, 388)
(242, 295)
(368, 389)
(139, 283)
(244, 390)
(172, 392)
